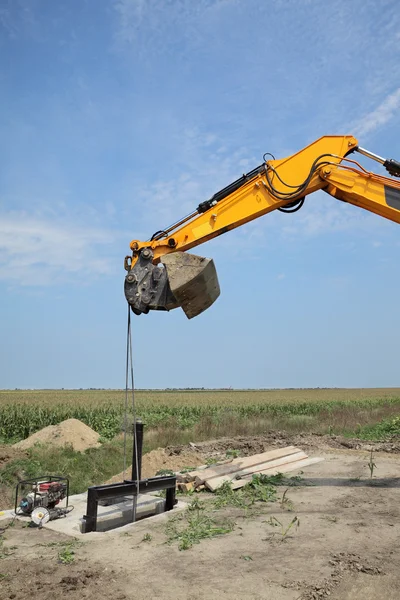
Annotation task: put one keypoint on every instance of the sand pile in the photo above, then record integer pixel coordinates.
(161, 459)
(72, 431)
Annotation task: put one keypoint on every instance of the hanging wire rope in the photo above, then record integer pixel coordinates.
(130, 391)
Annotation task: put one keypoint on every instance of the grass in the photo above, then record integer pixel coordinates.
(195, 524)
(94, 466)
(283, 529)
(66, 556)
(384, 429)
(260, 489)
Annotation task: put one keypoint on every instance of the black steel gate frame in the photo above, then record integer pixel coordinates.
(115, 490)
(129, 486)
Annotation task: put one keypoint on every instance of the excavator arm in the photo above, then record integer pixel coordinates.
(162, 275)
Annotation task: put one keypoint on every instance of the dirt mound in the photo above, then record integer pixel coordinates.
(248, 445)
(72, 431)
(159, 459)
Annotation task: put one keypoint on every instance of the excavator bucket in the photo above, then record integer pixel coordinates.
(193, 281)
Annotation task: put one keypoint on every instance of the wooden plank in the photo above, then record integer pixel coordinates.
(215, 482)
(241, 463)
(275, 470)
(186, 487)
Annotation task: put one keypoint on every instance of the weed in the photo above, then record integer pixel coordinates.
(147, 537)
(67, 555)
(385, 429)
(254, 491)
(165, 472)
(226, 496)
(371, 464)
(260, 490)
(285, 502)
(232, 453)
(211, 461)
(284, 530)
(182, 492)
(194, 525)
(246, 557)
(280, 479)
(196, 504)
(187, 470)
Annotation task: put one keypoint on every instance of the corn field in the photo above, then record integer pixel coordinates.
(24, 412)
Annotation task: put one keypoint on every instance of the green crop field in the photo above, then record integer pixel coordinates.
(175, 417)
(202, 413)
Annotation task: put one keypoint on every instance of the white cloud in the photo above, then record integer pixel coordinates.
(378, 117)
(37, 251)
(206, 168)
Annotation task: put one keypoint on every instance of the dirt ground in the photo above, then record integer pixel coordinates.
(346, 548)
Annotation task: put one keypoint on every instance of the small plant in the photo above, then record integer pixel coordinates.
(187, 470)
(284, 530)
(211, 461)
(196, 504)
(246, 557)
(280, 479)
(260, 489)
(232, 453)
(226, 496)
(285, 502)
(164, 472)
(67, 555)
(257, 490)
(371, 464)
(147, 537)
(194, 525)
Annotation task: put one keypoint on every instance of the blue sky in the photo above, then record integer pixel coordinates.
(119, 117)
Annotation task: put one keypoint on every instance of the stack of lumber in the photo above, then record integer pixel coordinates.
(239, 471)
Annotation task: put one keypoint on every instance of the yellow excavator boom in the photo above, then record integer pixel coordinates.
(162, 275)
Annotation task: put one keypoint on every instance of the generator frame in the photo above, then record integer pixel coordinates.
(34, 482)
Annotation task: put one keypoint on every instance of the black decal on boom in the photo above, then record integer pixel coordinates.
(392, 197)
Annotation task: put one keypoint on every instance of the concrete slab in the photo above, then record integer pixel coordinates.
(112, 518)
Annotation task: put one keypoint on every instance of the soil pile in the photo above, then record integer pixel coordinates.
(162, 458)
(248, 445)
(72, 431)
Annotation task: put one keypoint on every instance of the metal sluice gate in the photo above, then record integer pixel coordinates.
(129, 487)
